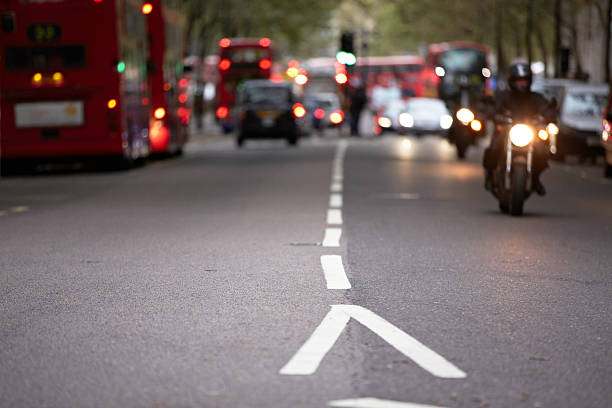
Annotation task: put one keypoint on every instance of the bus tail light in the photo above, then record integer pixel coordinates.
(222, 112)
(182, 97)
(160, 113)
(159, 136)
(111, 104)
(265, 42)
(224, 64)
(58, 78)
(336, 117)
(225, 42)
(299, 111)
(37, 79)
(265, 64)
(147, 8)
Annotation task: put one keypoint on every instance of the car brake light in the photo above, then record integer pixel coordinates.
(319, 113)
(159, 113)
(111, 104)
(225, 42)
(336, 117)
(265, 42)
(299, 111)
(222, 112)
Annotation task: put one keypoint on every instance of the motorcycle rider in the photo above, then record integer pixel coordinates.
(521, 103)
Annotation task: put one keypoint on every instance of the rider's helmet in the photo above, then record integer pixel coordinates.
(520, 77)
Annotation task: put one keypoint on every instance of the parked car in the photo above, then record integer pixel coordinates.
(324, 110)
(268, 110)
(425, 115)
(580, 120)
(552, 88)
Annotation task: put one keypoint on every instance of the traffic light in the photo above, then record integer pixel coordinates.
(346, 55)
(346, 42)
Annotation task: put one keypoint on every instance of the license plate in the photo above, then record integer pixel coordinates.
(267, 114)
(268, 122)
(40, 114)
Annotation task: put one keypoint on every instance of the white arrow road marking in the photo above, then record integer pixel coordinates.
(376, 403)
(334, 272)
(334, 216)
(335, 200)
(309, 356)
(332, 237)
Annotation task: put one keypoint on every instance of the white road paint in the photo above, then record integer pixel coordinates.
(334, 216)
(332, 237)
(335, 200)
(309, 356)
(376, 403)
(337, 178)
(334, 272)
(336, 187)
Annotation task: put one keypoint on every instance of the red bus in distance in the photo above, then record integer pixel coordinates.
(169, 113)
(73, 79)
(402, 73)
(240, 59)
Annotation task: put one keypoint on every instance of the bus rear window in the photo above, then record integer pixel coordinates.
(64, 57)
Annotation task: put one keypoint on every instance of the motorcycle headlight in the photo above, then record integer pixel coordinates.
(446, 121)
(406, 120)
(521, 135)
(465, 115)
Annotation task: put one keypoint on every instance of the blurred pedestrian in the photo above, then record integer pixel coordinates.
(358, 100)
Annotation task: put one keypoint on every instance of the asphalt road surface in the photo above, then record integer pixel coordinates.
(339, 273)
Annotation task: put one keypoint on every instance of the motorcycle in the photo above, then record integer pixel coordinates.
(512, 178)
(468, 127)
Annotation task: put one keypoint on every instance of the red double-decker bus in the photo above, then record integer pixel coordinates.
(169, 111)
(73, 79)
(240, 59)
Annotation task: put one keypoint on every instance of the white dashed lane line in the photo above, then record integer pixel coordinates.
(334, 272)
(335, 200)
(332, 237)
(336, 187)
(334, 216)
(376, 403)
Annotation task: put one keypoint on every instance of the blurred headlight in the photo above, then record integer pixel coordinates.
(552, 129)
(440, 71)
(446, 121)
(384, 122)
(476, 125)
(521, 135)
(543, 134)
(406, 120)
(465, 115)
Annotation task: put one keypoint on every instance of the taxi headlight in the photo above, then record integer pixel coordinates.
(521, 135)
(465, 115)
(406, 120)
(446, 121)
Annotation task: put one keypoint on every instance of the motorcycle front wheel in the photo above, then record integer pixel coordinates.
(517, 191)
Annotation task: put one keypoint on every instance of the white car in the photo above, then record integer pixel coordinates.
(425, 115)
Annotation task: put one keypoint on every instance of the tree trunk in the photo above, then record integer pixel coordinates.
(529, 31)
(607, 42)
(543, 50)
(557, 52)
(499, 40)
